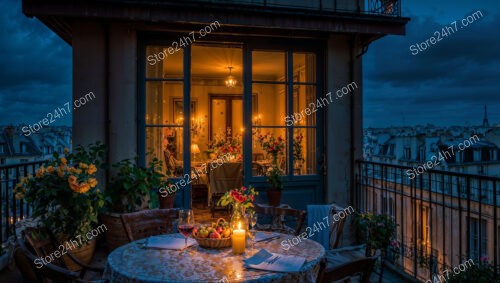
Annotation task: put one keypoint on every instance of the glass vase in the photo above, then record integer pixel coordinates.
(239, 224)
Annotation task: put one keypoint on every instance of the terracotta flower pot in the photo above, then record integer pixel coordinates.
(274, 197)
(84, 253)
(166, 201)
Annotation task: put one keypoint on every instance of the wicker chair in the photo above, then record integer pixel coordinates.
(142, 224)
(362, 266)
(43, 247)
(279, 215)
(33, 270)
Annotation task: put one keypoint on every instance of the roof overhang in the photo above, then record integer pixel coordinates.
(58, 16)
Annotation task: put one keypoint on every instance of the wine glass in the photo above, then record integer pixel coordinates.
(252, 219)
(186, 223)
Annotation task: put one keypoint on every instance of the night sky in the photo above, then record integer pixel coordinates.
(447, 84)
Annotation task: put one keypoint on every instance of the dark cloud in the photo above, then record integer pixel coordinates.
(35, 77)
(447, 84)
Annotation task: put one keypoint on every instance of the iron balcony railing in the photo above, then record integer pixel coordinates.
(444, 218)
(390, 8)
(13, 210)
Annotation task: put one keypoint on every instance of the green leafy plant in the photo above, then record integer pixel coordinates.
(132, 185)
(378, 231)
(298, 152)
(482, 271)
(274, 176)
(64, 193)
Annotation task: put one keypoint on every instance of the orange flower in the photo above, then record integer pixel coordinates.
(83, 165)
(40, 171)
(60, 172)
(50, 169)
(66, 150)
(79, 188)
(92, 182)
(64, 161)
(72, 179)
(92, 169)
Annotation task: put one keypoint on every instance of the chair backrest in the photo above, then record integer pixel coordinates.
(42, 243)
(299, 215)
(364, 266)
(225, 177)
(28, 263)
(150, 222)
(337, 226)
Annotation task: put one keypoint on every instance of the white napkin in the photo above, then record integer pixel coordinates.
(168, 243)
(265, 260)
(262, 236)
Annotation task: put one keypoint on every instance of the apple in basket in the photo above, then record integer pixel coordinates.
(218, 230)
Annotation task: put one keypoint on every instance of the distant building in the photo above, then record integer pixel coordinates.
(473, 150)
(17, 148)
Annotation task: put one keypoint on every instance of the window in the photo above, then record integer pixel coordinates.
(287, 109)
(164, 117)
(421, 153)
(2, 161)
(23, 148)
(478, 238)
(424, 227)
(407, 153)
(231, 117)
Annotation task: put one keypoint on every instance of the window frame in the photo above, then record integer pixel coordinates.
(248, 43)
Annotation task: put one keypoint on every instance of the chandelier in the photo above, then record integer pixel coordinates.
(230, 80)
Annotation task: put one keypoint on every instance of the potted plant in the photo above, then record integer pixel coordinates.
(130, 190)
(274, 176)
(378, 232)
(160, 184)
(298, 153)
(274, 147)
(482, 271)
(65, 198)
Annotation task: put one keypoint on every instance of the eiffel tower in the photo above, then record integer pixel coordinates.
(485, 119)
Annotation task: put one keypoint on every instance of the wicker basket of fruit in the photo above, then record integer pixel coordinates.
(214, 236)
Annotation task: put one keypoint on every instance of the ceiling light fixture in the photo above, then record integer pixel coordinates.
(230, 80)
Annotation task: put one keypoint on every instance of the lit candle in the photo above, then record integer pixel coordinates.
(238, 240)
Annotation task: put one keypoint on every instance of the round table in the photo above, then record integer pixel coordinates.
(134, 263)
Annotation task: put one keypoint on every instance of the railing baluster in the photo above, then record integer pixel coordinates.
(496, 237)
(459, 202)
(12, 209)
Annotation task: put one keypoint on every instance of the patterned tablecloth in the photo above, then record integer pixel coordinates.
(133, 263)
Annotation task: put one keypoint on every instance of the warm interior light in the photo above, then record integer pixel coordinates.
(230, 80)
(195, 149)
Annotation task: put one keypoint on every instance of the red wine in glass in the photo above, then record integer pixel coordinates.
(186, 223)
(186, 229)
